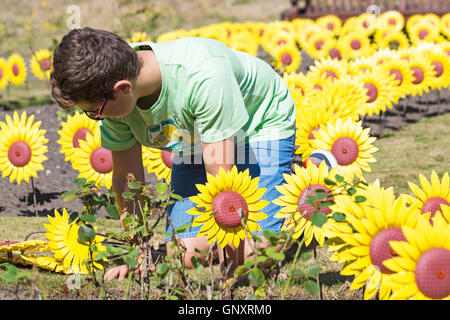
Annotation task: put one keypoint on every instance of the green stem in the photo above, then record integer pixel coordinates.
(292, 268)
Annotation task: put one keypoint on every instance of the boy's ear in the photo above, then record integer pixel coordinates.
(122, 86)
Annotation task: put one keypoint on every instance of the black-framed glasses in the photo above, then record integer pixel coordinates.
(97, 115)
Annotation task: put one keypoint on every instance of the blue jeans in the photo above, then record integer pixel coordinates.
(266, 159)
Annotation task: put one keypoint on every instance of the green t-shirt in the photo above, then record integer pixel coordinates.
(209, 93)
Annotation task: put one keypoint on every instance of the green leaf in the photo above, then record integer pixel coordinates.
(339, 217)
(203, 253)
(112, 211)
(198, 264)
(133, 185)
(79, 181)
(183, 228)
(329, 182)
(176, 196)
(86, 233)
(161, 187)
(339, 178)
(297, 274)
(256, 277)
(360, 199)
(318, 219)
(162, 270)
(313, 270)
(311, 287)
(69, 195)
(127, 194)
(326, 204)
(305, 256)
(88, 218)
(271, 253)
(10, 277)
(132, 262)
(351, 191)
(271, 236)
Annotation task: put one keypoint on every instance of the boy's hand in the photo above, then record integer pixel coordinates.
(122, 271)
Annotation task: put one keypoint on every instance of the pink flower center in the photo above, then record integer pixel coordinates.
(45, 64)
(286, 58)
(345, 150)
(311, 134)
(418, 75)
(438, 67)
(318, 44)
(281, 42)
(372, 92)
(433, 205)
(1, 73)
(19, 153)
(317, 86)
(15, 70)
(392, 22)
(355, 44)
(306, 209)
(80, 134)
(335, 54)
(423, 34)
(226, 206)
(329, 73)
(398, 76)
(432, 273)
(380, 249)
(330, 26)
(167, 158)
(101, 160)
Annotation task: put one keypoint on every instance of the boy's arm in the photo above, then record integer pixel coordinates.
(218, 154)
(124, 163)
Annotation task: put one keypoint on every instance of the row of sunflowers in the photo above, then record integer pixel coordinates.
(395, 246)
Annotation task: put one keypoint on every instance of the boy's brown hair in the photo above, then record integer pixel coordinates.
(86, 65)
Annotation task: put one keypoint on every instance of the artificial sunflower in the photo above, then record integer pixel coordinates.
(366, 23)
(319, 45)
(3, 74)
(310, 120)
(243, 41)
(445, 25)
(328, 67)
(378, 91)
(298, 85)
(432, 195)
(287, 58)
(64, 243)
(365, 236)
(22, 147)
(294, 209)
(422, 264)
(391, 20)
(403, 76)
(41, 64)
(306, 34)
(422, 31)
(441, 65)
(138, 37)
(16, 69)
(350, 144)
(158, 161)
(330, 22)
(355, 44)
(94, 162)
(76, 127)
(227, 202)
(423, 74)
(393, 41)
(360, 66)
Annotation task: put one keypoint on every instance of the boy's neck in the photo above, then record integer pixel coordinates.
(149, 81)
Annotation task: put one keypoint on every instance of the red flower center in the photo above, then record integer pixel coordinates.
(372, 92)
(15, 70)
(305, 209)
(345, 150)
(281, 42)
(167, 158)
(329, 73)
(355, 44)
(335, 54)
(1, 73)
(311, 134)
(433, 205)
(398, 75)
(101, 160)
(438, 67)
(226, 206)
(330, 26)
(318, 44)
(80, 134)
(431, 273)
(418, 75)
(300, 88)
(286, 58)
(423, 34)
(19, 153)
(317, 86)
(45, 64)
(392, 22)
(380, 249)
